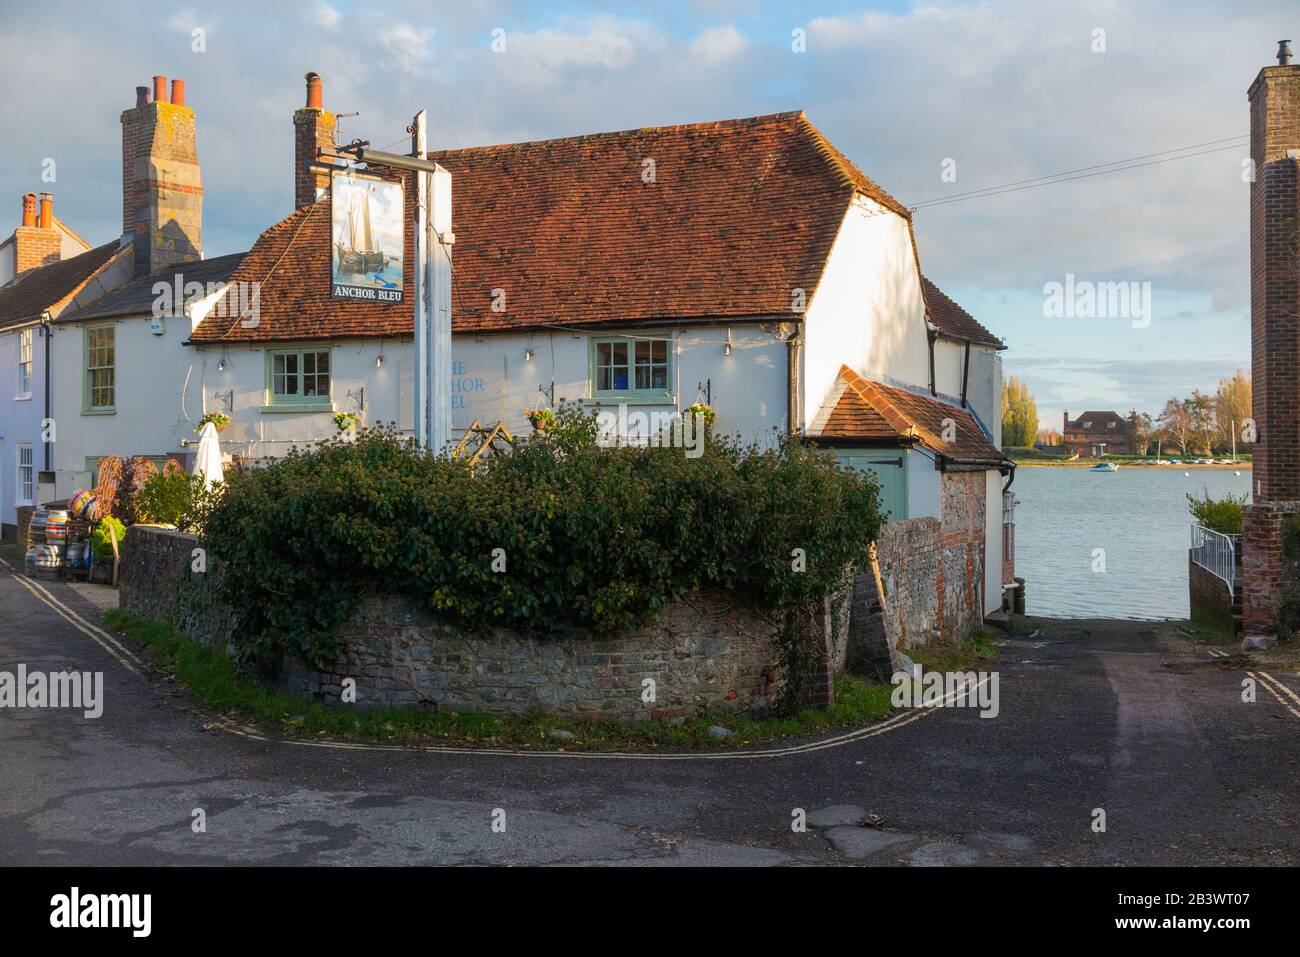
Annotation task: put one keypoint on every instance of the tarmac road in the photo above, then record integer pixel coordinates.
(1126, 717)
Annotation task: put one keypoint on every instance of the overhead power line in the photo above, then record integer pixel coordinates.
(1085, 172)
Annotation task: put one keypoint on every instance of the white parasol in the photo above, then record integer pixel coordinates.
(207, 460)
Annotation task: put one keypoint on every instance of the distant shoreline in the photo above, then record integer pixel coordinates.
(1089, 463)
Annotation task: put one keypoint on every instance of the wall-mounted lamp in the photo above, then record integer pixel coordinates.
(221, 365)
(224, 362)
(728, 349)
(528, 354)
(379, 360)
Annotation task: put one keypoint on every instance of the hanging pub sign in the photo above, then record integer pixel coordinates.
(367, 219)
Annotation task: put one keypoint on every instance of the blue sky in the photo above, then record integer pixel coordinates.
(1007, 90)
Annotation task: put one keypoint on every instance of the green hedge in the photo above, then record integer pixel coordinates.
(594, 538)
(1222, 515)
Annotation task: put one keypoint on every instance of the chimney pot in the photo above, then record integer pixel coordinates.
(178, 92)
(160, 89)
(315, 97)
(1283, 52)
(47, 211)
(142, 96)
(29, 209)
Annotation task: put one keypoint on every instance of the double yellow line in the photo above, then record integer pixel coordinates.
(123, 655)
(1287, 698)
(129, 661)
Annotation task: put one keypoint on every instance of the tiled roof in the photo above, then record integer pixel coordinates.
(864, 409)
(47, 287)
(953, 320)
(137, 296)
(291, 262)
(739, 213)
(1096, 421)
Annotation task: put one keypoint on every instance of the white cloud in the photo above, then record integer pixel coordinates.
(717, 44)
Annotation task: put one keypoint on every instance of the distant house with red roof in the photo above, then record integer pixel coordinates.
(1094, 434)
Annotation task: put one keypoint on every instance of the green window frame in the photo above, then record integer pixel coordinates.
(631, 369)
(99, 386)
(299, 379)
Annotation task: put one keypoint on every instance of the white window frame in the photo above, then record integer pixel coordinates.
(27, 484)
(24, 364)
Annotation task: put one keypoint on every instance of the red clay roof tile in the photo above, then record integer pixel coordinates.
(738, 214)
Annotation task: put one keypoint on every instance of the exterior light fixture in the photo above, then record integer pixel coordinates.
(528, 354)
(379, 360)
(221, 365)
(728, 349)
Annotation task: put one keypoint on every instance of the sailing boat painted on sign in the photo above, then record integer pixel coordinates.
(367, 237)
(359, 254)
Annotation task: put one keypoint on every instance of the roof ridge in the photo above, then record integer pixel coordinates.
(736, 122)
(848, 172)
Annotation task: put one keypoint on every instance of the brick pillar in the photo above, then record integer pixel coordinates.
(162, 185)
(1275, 341)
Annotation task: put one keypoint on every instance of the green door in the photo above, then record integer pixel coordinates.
(890, 473)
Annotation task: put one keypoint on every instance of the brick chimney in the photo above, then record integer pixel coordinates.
(1275, 338)
(313, 129)
(37, 242)
(162, 188)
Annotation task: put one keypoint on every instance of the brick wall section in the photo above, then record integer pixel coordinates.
(1275, 337)
(933, 573)
(1209, 595)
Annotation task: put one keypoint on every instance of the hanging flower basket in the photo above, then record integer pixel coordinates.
(219, 421)
(541, 419)
(346, 420)
(704, 411)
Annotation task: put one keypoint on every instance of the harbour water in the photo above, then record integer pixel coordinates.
(1138, 517)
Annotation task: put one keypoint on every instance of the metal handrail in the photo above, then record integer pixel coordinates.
(1216, 553)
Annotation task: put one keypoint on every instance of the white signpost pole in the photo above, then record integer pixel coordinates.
(433, 243)
(423, 312)
(441, 240)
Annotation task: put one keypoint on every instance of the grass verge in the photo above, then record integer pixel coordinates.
(211, 679)
(966, 654)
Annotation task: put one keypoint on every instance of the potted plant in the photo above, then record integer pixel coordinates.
(346, 420)
(541, 419)
(218, 419)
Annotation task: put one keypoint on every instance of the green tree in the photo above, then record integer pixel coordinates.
(1019, 414)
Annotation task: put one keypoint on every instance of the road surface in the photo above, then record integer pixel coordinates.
(1124, 717)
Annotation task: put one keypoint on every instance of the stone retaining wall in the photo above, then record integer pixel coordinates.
(710, 652)
(706, 653)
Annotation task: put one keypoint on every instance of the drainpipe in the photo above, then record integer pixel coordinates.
(930, 340)
(965, 373)
(794, 382)
(49, 345)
